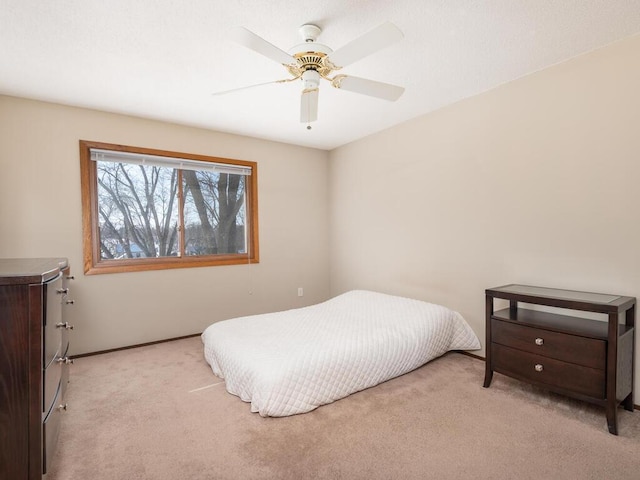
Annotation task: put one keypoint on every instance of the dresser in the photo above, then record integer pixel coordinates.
(591, 359)
(34, 343)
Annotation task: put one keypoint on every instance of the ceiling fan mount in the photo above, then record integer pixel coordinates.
(311, 62)
(310, 32)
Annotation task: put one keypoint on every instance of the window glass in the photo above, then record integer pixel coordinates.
(214, 213)
(138, 211)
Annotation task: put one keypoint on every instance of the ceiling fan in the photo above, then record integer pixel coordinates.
(312, 62)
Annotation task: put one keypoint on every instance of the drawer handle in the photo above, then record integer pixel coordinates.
(539, 341)
(538, 367)
(62, 407)
(64, 325)
(65, 360)
(70, 302)
(62, 291)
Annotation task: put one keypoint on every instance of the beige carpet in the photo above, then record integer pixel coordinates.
(152, 413)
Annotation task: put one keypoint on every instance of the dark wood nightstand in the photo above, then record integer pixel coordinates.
(587, 359)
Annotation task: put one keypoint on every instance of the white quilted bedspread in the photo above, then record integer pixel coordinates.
(293, 361)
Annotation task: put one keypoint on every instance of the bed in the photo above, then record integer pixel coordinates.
(293, 361)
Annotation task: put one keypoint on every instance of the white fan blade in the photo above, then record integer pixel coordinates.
(385, 91)
(369, 43)
(258, 44)
(309, 105)
(233, 90)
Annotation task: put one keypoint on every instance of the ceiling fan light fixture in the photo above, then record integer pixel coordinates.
(310, 79)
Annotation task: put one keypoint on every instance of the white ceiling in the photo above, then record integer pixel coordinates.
(163, 59)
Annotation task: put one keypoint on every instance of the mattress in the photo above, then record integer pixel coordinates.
(291, 362)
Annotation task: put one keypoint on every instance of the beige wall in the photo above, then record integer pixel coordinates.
(40, 215)
(535, 182)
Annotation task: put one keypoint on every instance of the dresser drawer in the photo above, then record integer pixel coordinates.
(64, 380)
(51, 431)
(548, 371)
(64, 348)
(51, 380)
(52, 317)
(588, 352)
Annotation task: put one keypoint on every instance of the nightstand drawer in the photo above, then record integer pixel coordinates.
(588, 352)
(548, 371)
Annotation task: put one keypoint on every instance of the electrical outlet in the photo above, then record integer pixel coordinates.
(300, 291)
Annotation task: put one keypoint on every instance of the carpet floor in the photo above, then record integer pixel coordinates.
(158, 412)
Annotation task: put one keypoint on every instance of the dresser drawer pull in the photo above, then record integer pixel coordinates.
(62, 407)
(64, 325)
(65, 360)
(62, 291)
(538, 367)
(539, 341)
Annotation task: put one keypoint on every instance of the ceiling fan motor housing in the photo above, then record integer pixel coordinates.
(310, 55)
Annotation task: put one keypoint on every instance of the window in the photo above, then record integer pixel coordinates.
(148, 209)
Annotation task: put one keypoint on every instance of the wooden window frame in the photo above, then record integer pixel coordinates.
(93, 264)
